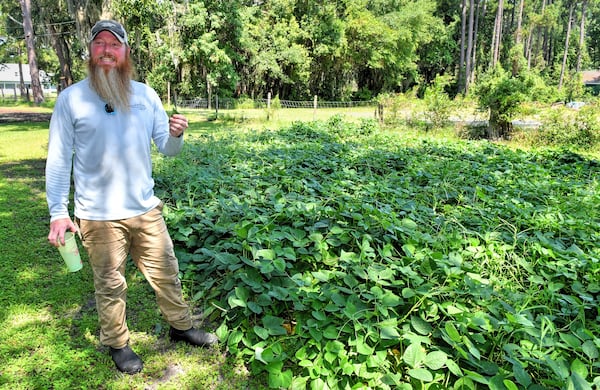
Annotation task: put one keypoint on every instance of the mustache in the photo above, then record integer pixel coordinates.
(98, 60)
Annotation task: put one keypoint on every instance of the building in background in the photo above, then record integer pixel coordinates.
(10, 81)
(591, 80)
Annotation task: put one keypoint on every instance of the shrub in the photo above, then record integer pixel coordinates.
(438, 103)
(570, 129)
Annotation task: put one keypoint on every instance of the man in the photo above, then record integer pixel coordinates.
(103, 127)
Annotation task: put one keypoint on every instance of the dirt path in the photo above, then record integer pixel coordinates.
(12, 114)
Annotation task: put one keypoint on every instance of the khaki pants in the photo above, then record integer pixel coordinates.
(148, 242)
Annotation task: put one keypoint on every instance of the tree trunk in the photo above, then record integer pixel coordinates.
(64, 58)
(22, 88)
(36, 87)
(478, 16)
(498, 128)
(463, 32)
(468, 56)
(566, 52)
(519, 32)
(497, 34)
(581, 36)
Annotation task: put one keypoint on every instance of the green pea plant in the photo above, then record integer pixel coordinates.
(341, 255)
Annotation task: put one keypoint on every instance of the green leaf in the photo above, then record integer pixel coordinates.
(389, 333)
(558, 366)
(478, 278)
(280, 380)
(274, 325)
(409, 224)
(275, 366)
(256, 308)
(421, 374)
(590, 349)
(414, 355)
(280, 264)
(409, 250)
(390, 299)
(299, 383)
(258, 354)
(452, 332)
(362, 347)
(267, 254)
(221, 331)
(235, 302)
(510, 385)
(454, 368)
(435, 360)
(235, 337)
(420, 325)
(521, 375)
(496, 383)
(242, 293)
(318, 384)
(261, 332)
(576, 382)
(408, 293)
(331, 332)
(319, 315)
(571, 340)
(477, 377)
(580, 368)
(321, 276)
(471, 347)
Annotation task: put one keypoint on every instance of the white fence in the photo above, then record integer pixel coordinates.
(229, 103)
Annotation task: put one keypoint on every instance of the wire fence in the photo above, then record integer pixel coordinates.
(230, 103)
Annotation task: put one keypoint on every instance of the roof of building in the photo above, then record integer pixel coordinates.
(591, 76)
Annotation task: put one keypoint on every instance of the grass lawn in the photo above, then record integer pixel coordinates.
(48, 319)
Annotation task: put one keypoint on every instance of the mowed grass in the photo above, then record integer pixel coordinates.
(48, 321)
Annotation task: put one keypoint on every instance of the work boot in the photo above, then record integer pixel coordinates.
(126, 360)
(194, 337)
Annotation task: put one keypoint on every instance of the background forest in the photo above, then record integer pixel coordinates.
(295, 49)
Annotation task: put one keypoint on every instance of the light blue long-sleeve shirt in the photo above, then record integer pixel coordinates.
(110, 153)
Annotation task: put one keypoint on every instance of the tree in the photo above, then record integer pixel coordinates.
(581, 46)
(207, 57)
(501, 93)
(566, 47)
(497, 35)
(36, 86)
(277, 59)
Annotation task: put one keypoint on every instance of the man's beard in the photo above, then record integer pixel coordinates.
(112, 85)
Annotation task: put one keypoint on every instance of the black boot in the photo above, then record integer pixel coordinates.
(193, 336)
(126, 360)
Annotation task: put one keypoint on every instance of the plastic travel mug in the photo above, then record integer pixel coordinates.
(70, 253)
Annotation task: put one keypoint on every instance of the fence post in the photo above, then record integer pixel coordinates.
(315, 108)
(217, 106)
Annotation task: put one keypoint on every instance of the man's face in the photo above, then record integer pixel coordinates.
(107, 51)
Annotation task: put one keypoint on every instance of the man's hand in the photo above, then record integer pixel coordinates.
(177, 124)
(58, 227)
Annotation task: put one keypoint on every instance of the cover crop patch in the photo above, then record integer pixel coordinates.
(337, 255)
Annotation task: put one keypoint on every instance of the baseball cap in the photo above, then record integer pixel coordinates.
(114, 27)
